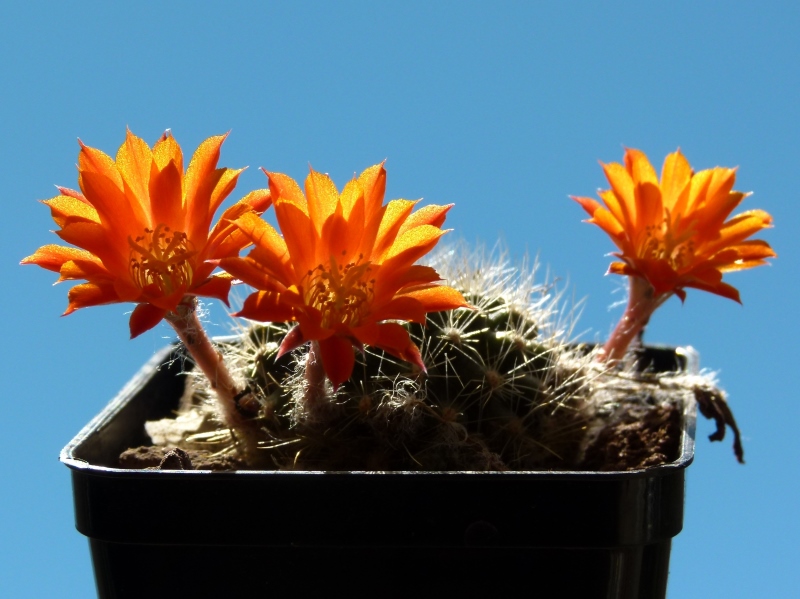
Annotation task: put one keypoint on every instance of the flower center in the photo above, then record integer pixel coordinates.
(161, 257)
(341, 292)
(660, 244)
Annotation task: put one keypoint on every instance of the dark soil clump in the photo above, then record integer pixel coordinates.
(634, 443)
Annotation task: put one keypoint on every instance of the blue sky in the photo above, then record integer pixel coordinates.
(504, 109)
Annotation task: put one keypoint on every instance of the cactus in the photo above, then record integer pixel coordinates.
(503, 389)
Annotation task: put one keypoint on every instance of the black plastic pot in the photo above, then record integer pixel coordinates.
(253, 534)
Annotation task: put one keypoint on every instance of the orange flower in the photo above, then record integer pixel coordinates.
(674, 233)
(343, 268)
(143, 228)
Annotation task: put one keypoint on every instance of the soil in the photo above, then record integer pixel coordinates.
(633, 442)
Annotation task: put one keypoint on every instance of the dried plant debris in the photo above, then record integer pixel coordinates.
(712, 404)
(164, 458)
(504, 390)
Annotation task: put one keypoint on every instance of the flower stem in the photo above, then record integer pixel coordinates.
(314, 376)
(230, 395)
(642, 302)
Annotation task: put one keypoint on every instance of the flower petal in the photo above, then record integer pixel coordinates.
(166, 197)
(285, 189)
(427, 215)
(322, 198)
(436, 298)
(114, 209)
(52, 257)
(299, 236)
(293, 339)
(266, 306)
(217, 286)
(338, 239)
(202, 176)
(352, 198)
(675, 177)
(397, 280)
(394, 339)
(589, 205)
(85, 268)
(167, 150)
(226, 238)
(99, 163)
(747, 254)
(400, 308)
(738, 229)
(226, 182)
(411, 246)
(133, 161)
(144, 317)
(93, 238)
(90, 294)
(373, 181)
(624, 200)
(65, 209)
(397, 211)
(338, 359)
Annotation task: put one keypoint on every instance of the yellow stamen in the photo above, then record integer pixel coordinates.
(661, 244)
(161, 257)
(341, 292)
